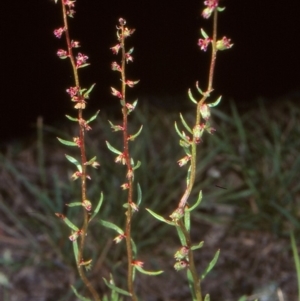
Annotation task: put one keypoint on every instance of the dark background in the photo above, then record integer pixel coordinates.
(263, 62)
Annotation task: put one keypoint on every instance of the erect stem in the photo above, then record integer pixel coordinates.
(183, 201)
(129, 173)
(189, 188)
(83, 161)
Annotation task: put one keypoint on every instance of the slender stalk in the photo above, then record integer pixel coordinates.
(192, 268)
(184, 199)
(129, 173)
(83, 161)
(189, 188)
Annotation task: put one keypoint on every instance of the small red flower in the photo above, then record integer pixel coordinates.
(58, 32)
(203, 43)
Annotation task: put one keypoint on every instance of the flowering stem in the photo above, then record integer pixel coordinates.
(189, 188)
(129, 171)
(83, 160)
(192, 268)
(183, 201)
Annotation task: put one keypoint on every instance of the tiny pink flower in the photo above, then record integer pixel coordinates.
(75, 235)
(128, 32)
(69, 3)
(87, 205)
(58, 32)
(76, 175)
(70, 13)
(121, 158)
(81, 59)
(116, 67)
(62, 54)
(205, 111)
(129, 174)
(119, 238)
(203, 43)
(131, 83)
(128, 57)
(125, 186)
(77, 141)
(116, 49)
(116, 93)
(184, 160)
(137, 263)
(72, 91)
(211, 3)
(224, 44)
(134, 206)
(75, 44)
(122, 21)
(84, 124)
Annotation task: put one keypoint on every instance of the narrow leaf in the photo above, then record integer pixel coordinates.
(74, 161)
(93, 117)
(150, 273)
(112, 149)
(139, 194)
(214, 104)
(181, 236)
(131, 138)
(70, 224)
(138, 164)
(198, 88)
(75, 249)
(74, 204)
(211, 265)
(134, 249)
(66, 142)
(185, 124)
(78, 295)
(192, 97)
(72, 118)
(111, 226)
(86, 94)
(204, 34)
(199, 246)
(207, 297)
(98, 207)
(178, 132)
(197, 202)
(116, 289)
(160, 218)
(187, 220)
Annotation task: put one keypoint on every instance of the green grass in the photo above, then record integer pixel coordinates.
(254, 156)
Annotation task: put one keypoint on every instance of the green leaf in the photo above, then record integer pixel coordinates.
(134, 249)
(192, 97)
(111, 226)
(181, 135)
(199, 246)
(243, 298)
(185, 124)
(191, 283)
(74, 161)
(214, 104)
(66, 142)
(138, 164)
(116, 289)
(204, 34)
(78, 295)
(75, 204)
(83, 65)
(75, 249)
(86, 94)
(211, 265)
(207, 297)
(139, 194)
(131, 138)
(187, 220)
(198, 88)
(70, 224)
(181, 236)
(98, 207)
(112, 149)
(72, 118)
(160, 218)
(197, 202)
(93, 117)
(150, 273)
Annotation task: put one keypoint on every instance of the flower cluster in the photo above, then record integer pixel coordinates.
(211, 5)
